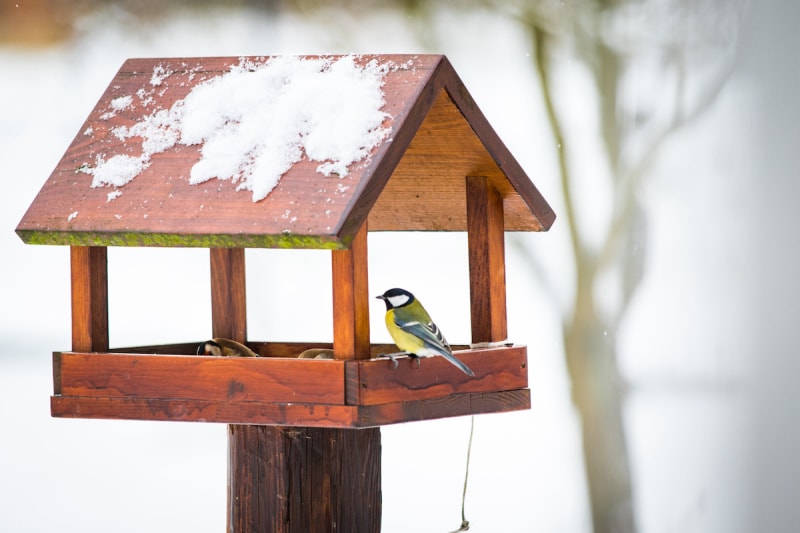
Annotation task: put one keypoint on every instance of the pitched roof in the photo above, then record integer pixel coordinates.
(413, 180)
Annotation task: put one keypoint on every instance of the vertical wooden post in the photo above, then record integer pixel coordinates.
(228, 294)
(305, 480)
(89, 272)
(351, 299)
(296, 479)
(487, 269)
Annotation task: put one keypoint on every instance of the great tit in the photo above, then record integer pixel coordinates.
(413, 330)
(225, 347)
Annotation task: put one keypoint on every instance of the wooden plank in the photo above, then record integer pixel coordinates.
(445, 407)
(89, 282)
(236, 413)
(288, 414)
(377, 382)
(487, 270)
(201, 377)
(351, 300)
(228, 294)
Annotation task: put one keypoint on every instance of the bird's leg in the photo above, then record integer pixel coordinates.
(415, 358)
(393, 357)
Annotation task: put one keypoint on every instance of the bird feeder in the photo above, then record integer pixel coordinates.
(439, 167)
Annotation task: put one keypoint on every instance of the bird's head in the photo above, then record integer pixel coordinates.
(209, 348)
(396, 298)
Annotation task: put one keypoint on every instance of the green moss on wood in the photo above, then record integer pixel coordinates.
(285, 240)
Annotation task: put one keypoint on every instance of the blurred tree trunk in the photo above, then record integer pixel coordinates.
(588, 343)
(606, 37)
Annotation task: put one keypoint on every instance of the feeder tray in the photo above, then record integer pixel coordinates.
(140, 383)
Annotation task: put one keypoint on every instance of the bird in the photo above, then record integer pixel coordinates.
(219, 346)
(413, 331)
(316, 353)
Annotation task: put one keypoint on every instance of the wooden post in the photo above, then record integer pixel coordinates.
(487, 270)
(351, 299)
(305, 480)
(89, 271)
(297, 479)
(228, 294)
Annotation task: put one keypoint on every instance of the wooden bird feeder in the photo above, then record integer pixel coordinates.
(443, 168)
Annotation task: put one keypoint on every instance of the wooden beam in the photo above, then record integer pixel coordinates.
(351, 300)
(254, 379)
(228, 294)
(288, 414)
(89, 271)
(487, 270)
(375, 382)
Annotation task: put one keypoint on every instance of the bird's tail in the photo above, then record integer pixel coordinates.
(461, 366)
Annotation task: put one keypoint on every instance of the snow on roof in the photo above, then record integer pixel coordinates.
(257, 120)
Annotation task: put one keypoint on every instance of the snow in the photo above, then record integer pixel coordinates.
(257, 120)
(122, 103)
(118, 170)
(160, 73)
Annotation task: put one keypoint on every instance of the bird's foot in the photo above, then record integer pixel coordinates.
(393, 357)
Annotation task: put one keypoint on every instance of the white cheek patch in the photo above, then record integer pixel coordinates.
(399, 300)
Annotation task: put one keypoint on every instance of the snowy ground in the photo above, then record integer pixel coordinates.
(686, 348)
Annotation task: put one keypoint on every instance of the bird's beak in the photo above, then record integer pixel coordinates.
(380, 297)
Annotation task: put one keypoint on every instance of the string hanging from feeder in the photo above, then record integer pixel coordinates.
(464, 521)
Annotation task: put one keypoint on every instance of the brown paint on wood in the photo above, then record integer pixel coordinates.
(292, 414)
(228, 294)
(487, 270)
(321, 479)
(445, 407)
(274, 390)
(351, 300)
(236, 413)
(89, 275)
(438, 136)
(201, 377)
(377, 381)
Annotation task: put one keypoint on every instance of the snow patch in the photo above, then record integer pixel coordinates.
(257, 120)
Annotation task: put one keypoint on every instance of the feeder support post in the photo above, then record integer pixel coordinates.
(351, 299)
(228, 294)
(487, 269)
(89, 272)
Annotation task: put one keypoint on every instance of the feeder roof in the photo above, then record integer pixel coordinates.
(413, 179)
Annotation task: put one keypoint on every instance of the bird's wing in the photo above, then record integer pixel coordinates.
(429, 333)
(435, 341)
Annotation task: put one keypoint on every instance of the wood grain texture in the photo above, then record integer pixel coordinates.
(219, 411)
(320, 479)
(351, 300)
(446, 407)
(228, 294)
(291, 414)
(201, 378)
(438, 136)
(89, 285)
(275, 391)
(377, 381)
(487, 268)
